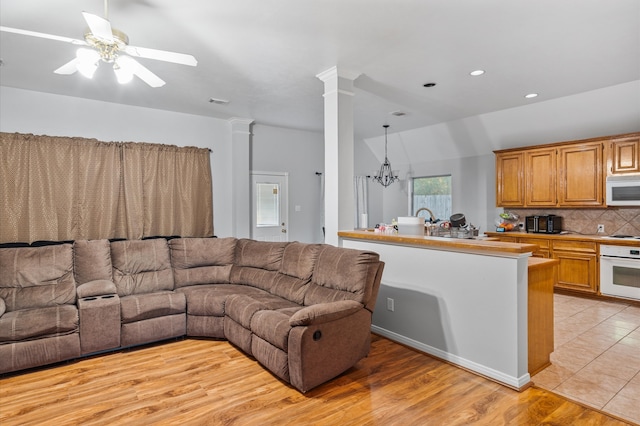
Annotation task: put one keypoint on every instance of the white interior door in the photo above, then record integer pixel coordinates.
(269, 206)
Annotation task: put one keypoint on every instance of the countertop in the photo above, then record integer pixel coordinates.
(539, 262)
(572, 237)
(488, 245)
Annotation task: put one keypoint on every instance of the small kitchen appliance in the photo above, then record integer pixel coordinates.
(548, 224)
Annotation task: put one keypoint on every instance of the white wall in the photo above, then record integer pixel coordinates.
(55, 115)
(301, 155)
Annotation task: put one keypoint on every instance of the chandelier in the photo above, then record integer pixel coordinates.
(385, 175)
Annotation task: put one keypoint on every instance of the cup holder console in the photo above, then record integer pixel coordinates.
(99, 323)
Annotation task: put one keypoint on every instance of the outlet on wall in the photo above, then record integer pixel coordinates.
(600, 229)
(390, 304)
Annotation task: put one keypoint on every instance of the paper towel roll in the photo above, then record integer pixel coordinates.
(364, 219)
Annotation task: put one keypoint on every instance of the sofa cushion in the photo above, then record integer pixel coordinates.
(92, 260)
(342, 274)
(201, 260)
(141, 266)
(138, 307)
(242, 307)
(299, 259)
(259, 254)
(273, 327)
(3, 307)
(39, 323)
(285, 286)
(37, 277)
(209, 300)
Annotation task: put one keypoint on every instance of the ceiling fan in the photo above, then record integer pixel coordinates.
(104, 43)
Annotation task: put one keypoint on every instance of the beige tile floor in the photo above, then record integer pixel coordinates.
(596, 360)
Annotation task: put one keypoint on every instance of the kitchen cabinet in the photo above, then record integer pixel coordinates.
(543, 246)
(510, 179)
(540, 180)
(565, 174)
(578, 267)
(580, 176)
(578, 259)
(623, 155)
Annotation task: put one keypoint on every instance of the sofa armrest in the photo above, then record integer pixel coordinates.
(96, 288)
(3, 307)
(324, 312)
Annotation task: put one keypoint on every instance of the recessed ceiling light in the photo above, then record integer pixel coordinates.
(429, 84)
(476, 73)
(531, 95)
(398, 113)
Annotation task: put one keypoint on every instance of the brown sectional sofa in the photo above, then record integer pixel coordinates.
(301, 310)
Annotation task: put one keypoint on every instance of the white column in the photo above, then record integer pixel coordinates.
(241, 176)
(338, 152)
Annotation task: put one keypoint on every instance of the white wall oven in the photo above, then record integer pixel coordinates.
(620, 271)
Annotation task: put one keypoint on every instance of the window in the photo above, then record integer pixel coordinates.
(268, 200)
(434, 193)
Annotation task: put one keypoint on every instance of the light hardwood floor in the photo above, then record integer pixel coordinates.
(205, 382)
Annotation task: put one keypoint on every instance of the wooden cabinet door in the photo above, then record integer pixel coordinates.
(540, 178)
(624, 156)
(578, 267)
(510, 179)
(543, 246)
(580, 175)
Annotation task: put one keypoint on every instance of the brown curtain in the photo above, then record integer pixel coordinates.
(175, 188)
(57, 188)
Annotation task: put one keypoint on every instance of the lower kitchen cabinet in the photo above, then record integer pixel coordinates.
(543, 246)
(578, 260)
(578, 267)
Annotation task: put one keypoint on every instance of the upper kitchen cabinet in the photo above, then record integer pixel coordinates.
(510, 179)
(580, 178)
(564, 174)
(541, 177)
(623, 155)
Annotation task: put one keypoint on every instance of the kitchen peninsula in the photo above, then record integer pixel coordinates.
(472, 302)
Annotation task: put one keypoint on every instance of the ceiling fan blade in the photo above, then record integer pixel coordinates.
(161, 55)
(68, 68)
(145, 75)
(99, 27)
(43, 35)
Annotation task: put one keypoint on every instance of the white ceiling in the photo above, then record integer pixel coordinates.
(263, 56)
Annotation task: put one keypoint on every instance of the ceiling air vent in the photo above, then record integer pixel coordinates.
(218, 101)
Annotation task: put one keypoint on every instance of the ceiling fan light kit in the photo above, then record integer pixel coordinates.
(86, 61)
(102, 43)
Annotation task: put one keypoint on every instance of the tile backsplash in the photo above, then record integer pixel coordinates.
(616, 220)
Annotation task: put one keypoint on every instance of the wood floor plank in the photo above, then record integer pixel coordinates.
(208, 382)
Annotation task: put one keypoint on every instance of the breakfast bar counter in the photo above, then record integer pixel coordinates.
(481, 245)
(465, 301)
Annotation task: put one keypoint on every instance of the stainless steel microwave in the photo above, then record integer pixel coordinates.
(623, 190)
